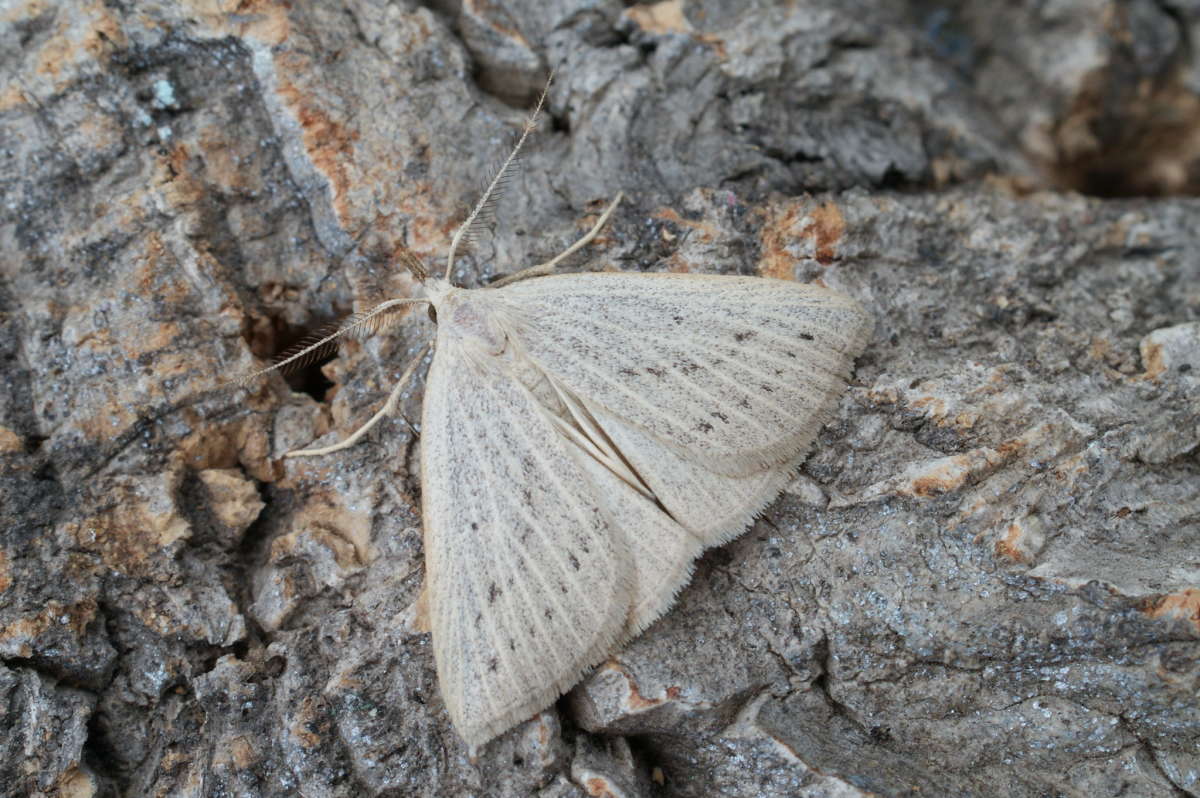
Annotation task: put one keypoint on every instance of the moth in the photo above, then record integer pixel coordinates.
(584, 438)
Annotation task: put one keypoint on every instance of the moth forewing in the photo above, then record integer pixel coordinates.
(736, 374)
(528, 585)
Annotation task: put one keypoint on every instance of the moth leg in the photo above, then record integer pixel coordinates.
(388, 408)
(545, 268)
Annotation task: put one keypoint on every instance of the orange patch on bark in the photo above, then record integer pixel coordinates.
(824, 224)
(666, 16)
(704, 229)
(598, 787)
(175, 179)
(9, 442)
(1021, 541)
(158, 275)
(329, 143)
(945, 474)
(948, 476)
(1008, 547)
(776, 261)
(75, 617)
(1184, 605)
(660, 18)
(1012, 447)
(112, 415)
(637, 700)
(1152, 360)
(827, 228)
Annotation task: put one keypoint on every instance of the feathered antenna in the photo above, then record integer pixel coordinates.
(360, 325)
(497, 181)
(503, 173)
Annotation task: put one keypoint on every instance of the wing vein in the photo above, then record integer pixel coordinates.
(473, 444)
(809, 369)
(533, 566)
(519, 429)
(715, 400)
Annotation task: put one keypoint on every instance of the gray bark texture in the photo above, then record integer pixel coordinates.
(984, 581)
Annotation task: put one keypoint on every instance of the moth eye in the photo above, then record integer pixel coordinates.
(433, 314)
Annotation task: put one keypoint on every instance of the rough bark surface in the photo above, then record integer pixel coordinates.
(986, 579)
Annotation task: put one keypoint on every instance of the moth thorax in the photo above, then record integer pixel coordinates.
(473, 321)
